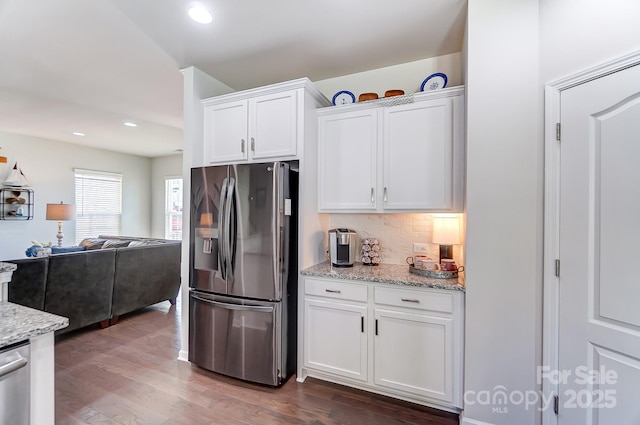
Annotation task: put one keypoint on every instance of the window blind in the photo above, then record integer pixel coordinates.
(98, 203)
(173, 208)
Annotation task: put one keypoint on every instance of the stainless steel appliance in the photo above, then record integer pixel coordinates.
(14, 384)
(343, 248)
(243, 270)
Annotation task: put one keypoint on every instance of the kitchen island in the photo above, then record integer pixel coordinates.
(385, 330)
(18, 324)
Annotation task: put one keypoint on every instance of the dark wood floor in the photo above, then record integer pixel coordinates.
(128, 374)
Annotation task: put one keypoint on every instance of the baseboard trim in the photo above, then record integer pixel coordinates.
(183, 355)
(467, 421)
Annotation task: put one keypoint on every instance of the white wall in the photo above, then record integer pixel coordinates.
(49, 166)
(407, 76)
(578, 34)
(505, 148)
(161, 168)
(504, 208)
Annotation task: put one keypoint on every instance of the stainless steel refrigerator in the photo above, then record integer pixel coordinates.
(243, 270)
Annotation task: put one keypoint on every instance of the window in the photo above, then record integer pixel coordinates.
(98, 203)
(173, 208)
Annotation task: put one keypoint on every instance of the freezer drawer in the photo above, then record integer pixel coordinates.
(237, 337)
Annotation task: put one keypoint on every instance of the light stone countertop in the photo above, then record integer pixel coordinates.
(396, 274)
(7, 267)
(19, 323)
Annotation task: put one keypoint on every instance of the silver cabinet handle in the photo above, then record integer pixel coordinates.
(13, 366)
(333, 291)
(373, 192)
(242, 145)
(384, 196)
(253, 145)
(410, 300)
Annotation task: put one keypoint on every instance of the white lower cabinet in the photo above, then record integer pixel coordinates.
(339, 343)
(389, 339)
(412, 353)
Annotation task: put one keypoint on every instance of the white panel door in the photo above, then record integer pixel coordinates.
(225, 132)
(348, 152)
(335, 338)
(418, 156)
(599, 241)
(414, 353)
(273, 125)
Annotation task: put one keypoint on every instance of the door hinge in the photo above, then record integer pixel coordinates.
(558, 131)
(557, 268)
(556, 403)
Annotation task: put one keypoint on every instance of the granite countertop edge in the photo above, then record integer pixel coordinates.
(394, 274)
(7, 267)
(19, 323)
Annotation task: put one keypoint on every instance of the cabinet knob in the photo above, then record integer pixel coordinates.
(242, 145)
(373, 198)
(384, 196)
(253, 145)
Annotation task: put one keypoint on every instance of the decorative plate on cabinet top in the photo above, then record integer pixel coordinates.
(435, 81)
(343, 97)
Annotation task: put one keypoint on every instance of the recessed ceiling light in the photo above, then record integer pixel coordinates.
(200, 15)
(77, 133)
(130, 124)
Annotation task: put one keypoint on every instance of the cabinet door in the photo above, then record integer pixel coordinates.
(273, 125)
(348, 152)
(335, 338)
(225, 132)
(414, 353)
(418, 156)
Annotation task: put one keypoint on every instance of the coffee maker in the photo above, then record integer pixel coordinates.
(343, 247)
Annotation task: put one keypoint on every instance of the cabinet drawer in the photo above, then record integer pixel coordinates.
(335, 289)
(420, 300)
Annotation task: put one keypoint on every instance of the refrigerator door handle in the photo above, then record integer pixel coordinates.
(276, 226)
(229, 239)
(240, 307)
(222, 256)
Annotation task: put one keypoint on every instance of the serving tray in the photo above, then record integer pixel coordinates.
(435, 274)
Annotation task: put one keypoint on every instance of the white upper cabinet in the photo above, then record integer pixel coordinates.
(225, 132)
(259, 124)
(348, 170)
(273, 125)
(404, 154)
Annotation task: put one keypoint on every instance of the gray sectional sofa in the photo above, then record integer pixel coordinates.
(99, 284)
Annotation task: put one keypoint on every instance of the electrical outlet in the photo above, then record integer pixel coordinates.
(421, 247)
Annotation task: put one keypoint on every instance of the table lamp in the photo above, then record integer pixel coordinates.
(446, 233)
(60, 212)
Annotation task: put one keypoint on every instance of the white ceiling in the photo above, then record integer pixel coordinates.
(90, 65)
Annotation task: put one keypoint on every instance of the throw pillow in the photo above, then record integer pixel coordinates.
(115, 243)
(138, 243)
(92, 243)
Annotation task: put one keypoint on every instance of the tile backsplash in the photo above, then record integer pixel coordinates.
(396, 232)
